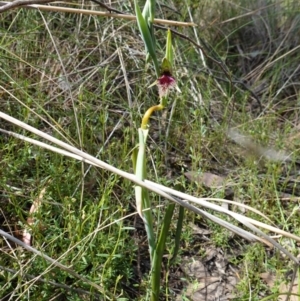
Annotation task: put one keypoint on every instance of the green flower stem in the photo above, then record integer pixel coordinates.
(158, 253)
(148, 114)
(164, 101)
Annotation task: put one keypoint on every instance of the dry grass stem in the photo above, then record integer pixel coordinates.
(89, 12)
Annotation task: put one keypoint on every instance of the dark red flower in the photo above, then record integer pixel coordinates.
(165, 83)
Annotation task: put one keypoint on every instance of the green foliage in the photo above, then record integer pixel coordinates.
(146, 30)
(76, 80)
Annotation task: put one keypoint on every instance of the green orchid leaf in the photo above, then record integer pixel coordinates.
(166, 65)
(146, 36)
(169, 48)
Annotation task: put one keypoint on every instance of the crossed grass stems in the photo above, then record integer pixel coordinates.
(156, 244)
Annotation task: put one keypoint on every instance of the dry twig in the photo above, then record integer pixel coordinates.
(5, 6)
(28, 4)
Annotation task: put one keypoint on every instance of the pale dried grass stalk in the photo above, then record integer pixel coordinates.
(100, 13)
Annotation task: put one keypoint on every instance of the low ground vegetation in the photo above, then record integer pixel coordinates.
(83, 79)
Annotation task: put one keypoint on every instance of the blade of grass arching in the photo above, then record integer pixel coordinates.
(164, 191)
(157, 188)
(268, 239)
(142, 194)
(152, 186)
(79, 155)
(159, 251)
(160, 191)
(177, 235)
(205, 202)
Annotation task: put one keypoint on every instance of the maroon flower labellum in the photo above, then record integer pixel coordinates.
(165, 83)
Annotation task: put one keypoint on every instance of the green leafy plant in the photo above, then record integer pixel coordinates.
(85, 244)
(165, 81)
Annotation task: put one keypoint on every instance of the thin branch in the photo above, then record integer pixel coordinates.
(108, 8)
(92, 12)
(19, 3)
